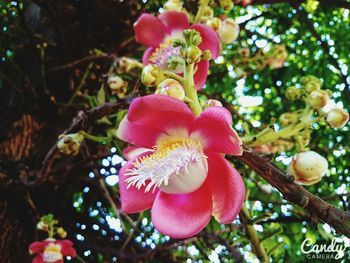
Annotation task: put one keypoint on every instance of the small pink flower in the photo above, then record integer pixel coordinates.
(52, 250)
(158, 33)
(178, 168)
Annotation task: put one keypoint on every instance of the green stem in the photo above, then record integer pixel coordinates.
(252, 235)
(202, 6)
(96, 138)
(81, 84)
(174, 76)
(190, 89)
(286, 132)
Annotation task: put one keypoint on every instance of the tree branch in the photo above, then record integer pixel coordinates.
(336, 218)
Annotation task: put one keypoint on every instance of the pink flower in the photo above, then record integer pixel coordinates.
(178, 169)
(52, 250)
(159, 32)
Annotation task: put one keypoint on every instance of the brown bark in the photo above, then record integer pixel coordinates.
(295, 193)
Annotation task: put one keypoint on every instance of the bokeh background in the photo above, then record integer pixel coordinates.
(51, 49)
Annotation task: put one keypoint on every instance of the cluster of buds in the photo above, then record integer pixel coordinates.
(307, 168)
(117, 86)
(246, 63)
(69, 144)
(227, 29)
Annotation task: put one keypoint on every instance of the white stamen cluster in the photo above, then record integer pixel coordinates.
(154, 172)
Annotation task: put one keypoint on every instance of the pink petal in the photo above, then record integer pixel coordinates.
(228, 191)
(201, 74)
(37, 247)
(137, 134)
(132, 152)
(160, 113)
(210, 39)
(174, 20)
(134, 200)
(182, 216)
(213, 127)
(68, 251)
(65, 242)
(38, 259)
(149, 30)
(148, 52)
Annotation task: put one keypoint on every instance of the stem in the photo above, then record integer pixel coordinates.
(174, 76)
(96, 138)
(202, 5)
(287, 132)
(81, 84)
(190, 89)
(252, 235)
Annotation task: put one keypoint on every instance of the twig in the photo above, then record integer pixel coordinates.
(252, 235)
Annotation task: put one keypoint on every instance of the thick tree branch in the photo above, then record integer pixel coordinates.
(336, 218)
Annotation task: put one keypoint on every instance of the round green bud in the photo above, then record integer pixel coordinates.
(293, 93)
(287, 119)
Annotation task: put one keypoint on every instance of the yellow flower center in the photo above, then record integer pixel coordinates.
(178, 165)
(52, 253)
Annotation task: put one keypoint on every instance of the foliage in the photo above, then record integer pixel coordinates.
(39, 37)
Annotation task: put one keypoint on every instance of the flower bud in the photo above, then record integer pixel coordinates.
(115, 82)
(212, 103)
(127, 64)
(318, 99)
(293, 93)
(287, 119)
(208, 13)
(192, 37)
(215, 23)
(312, 85)
(206, 54)
(337, 118)
(173, 5)
(70, 143)
(227, 5)
(172, 88)
(308, 167)
(193, 54)
(42, 226)
(61, 232)
(309, 78)
(151, 75)
(229, 31)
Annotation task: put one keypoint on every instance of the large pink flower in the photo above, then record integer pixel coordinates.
(52, 250)
(178, 169)
(158, 33)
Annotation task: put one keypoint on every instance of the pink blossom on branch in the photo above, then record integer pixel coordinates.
(52, 250)
(178, 168)
(158, 33)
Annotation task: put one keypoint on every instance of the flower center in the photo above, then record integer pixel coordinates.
(177, 166)
(165, 50)
(52, 253)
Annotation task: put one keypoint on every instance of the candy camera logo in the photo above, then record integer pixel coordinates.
(334, 250)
